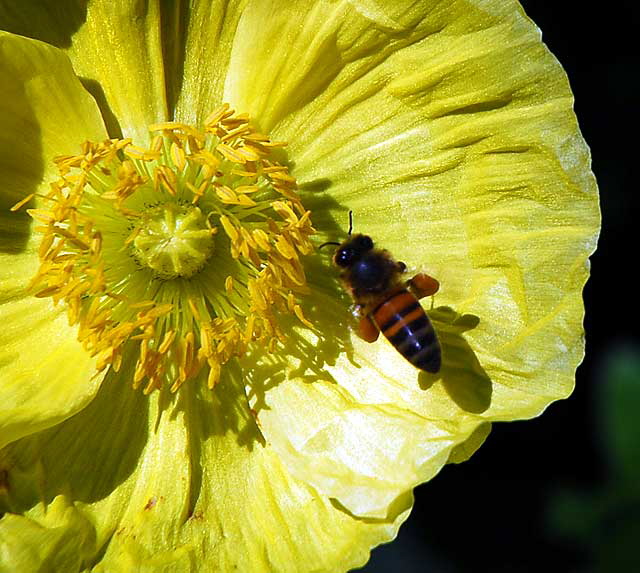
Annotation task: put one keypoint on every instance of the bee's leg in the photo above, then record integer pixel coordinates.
(423, 285)
(367, 329)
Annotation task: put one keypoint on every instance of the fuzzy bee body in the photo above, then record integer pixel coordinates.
(387, 303)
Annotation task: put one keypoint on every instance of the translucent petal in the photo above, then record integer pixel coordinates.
(450, 134)
(39, 94)
(168, 483)
(61, 537)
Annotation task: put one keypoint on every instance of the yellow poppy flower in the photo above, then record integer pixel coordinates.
(180, 385)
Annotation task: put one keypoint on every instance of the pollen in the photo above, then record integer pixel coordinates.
(183, 254)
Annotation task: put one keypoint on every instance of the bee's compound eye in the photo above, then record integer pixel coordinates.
(363, 243)
(344, 256)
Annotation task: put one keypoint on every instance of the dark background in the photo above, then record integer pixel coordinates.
(562, 492)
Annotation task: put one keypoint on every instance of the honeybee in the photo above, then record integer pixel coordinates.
(387, 303)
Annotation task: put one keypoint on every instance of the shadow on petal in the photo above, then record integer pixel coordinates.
(462, 376)
(400, 505)
(306, 352)
(21, 162)
(464, 450)
(88, 456)
(110, 120)
(315, 186)
(54, 22)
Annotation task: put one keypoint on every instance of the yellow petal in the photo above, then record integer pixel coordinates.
(61, 537)
(457, 149)
(43, 101)
(46, 375)
(210, 36)
(39, 95)
(363, 455)
(118, 52)
(448, 130)
(472, 169)
(305, 49)
(168, 485)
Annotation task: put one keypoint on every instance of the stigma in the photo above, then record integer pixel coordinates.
(176, 257)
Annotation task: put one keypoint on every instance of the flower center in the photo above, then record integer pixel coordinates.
(173, 240)
(131, 245)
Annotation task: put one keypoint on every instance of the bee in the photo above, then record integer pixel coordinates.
(387, 303)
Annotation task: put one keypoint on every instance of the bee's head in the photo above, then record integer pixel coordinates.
(352, 250)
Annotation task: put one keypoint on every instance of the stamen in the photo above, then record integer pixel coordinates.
(130, 245)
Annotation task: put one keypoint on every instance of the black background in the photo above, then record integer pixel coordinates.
(495, 511)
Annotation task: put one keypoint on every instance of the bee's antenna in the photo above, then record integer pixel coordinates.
(349, 233)
(329, 243)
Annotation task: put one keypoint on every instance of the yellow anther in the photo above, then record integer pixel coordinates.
(235, 133)
(285, 247)
(23, 202)
(166, 178)
(261, 239)
(178, 156)
(42, 215)
(226, 195)
(214, 374)
(246, 201)
(142, 154)
(128, 245)
(166, 126)
(297, 309)
(218, 115)
(247, 189)
(45, 245)
(248, 153)
(167, 341)
(230, 154)
(229, 229)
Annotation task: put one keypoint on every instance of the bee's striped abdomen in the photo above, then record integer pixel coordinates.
(406, 325)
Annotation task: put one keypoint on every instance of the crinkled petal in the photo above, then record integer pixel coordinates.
(449, 131)
(39, 94)
(369, 427)
(184, 484)
(61, 537)
(308, 51)
(347, 448)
